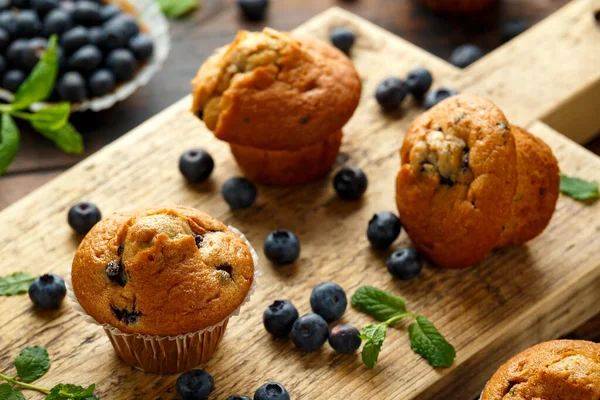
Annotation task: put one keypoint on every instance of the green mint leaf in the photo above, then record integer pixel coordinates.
(16, 283)
(177, 8)
(66, 138)
(39, 84)
(8, 393)
(50, 118)
(9, 142)
(373, 335)
(32, 363)
(578, 189)
(427, 341)
(378, 303)
(68, 391)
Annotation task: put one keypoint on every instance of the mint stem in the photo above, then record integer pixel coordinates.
(398, 317)
(24, 385)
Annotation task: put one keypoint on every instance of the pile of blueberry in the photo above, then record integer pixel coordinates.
(310, 332)
(198, 384)
(99, 45)
(384, 228)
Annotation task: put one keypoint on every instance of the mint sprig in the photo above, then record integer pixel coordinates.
(425, 339)
(31, 364)
(16, 283)
(177, 8)
(578, 189)
(51, 122)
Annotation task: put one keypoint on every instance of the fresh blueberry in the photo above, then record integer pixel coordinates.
(513, 28)
(282, 247)
(253, 10)
(33, 52)
(419, 81)
(239, 193)
(118, 30)
(96, 36)
(28, 24)
(436, 96)
(86, 59)
(390, 93)
(142, 47)
(238, 397)
(122, 63)
(8, 22)
(272, 391)
(57, 21)
(196, 165)
(279, 318)
(47, 291)
(71, 87)
(405, 264)
(14, 54)
(108, 11)
(343, 39)
(344, 339)
(83, 216)
(309, 332)
(12, 79)
(101, 82)
(42, 7)
(329, 300)
(68, 6)
(196, 384)
(465, 55)
(3, 65)
(350, 183)
(383, 229)
(4, 39)
(74, 39)
(87, 13)
(21, 3)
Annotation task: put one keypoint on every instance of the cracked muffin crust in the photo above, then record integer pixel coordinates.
(161, 271)
(537, 189)
(275, 91)
(457, 180)
(556, 370)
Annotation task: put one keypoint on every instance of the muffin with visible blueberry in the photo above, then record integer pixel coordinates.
(153, 274)
(537, 189)
(457, 180)
(559, 369)
(280, 101)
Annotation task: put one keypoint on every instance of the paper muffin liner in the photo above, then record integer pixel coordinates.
(149, 14)
(168, 354)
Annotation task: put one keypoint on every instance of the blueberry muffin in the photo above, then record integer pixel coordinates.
(162, 273)
(537, 189)
(458, 6)
(275, 96)
(556, 370)
(457, 180)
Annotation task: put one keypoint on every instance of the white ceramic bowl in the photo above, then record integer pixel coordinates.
(149, 15)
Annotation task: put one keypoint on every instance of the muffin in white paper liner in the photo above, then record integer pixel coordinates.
(168, 354)
(149, 15)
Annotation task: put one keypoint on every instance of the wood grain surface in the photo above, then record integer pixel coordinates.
(516, 297)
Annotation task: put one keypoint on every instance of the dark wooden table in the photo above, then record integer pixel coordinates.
(194, 38)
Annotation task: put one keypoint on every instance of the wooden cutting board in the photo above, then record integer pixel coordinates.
(518, 296)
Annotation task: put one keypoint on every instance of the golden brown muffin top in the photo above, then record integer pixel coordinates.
(275, 91)
(457, 179)
(161, 271)
(556, 370)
